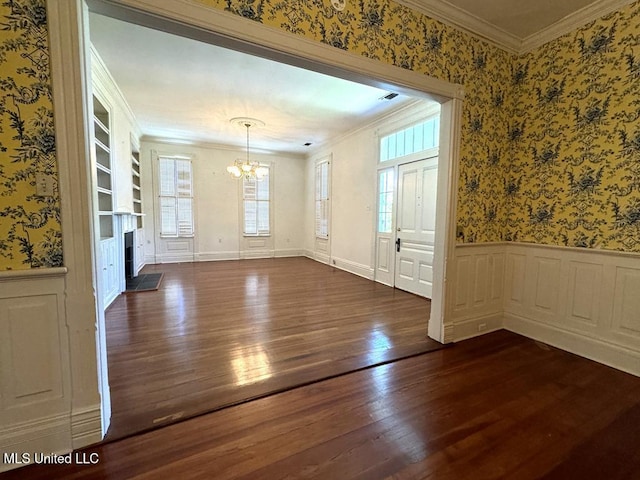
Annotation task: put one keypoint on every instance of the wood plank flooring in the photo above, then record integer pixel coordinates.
(217, 333)
(497, 406)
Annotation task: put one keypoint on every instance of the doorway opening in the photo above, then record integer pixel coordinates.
(266, 45)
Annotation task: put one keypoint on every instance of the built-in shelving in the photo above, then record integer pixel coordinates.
(102, 150)
(135, 181)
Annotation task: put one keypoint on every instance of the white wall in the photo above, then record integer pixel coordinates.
(218, 232)
(353, 190)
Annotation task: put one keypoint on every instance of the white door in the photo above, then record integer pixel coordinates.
(416, 220)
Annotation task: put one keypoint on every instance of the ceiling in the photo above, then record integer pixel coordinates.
(188, 91)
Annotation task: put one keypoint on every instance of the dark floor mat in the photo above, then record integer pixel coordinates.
(144, 283)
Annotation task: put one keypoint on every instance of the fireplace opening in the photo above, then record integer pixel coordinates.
(128, 255)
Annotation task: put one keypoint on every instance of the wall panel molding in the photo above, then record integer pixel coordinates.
(35, 365)
(586, 301)
(478, 287)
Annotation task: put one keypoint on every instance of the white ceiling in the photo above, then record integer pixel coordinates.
(185, 90)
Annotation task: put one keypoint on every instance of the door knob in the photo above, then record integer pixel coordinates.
(398, 245)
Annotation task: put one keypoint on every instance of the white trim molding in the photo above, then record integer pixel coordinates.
(461, 19)
(86, 427)
(355, 268)
(69, 57)
(45, 435)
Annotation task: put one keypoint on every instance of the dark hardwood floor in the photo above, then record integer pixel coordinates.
(497, 406)
(218, 333)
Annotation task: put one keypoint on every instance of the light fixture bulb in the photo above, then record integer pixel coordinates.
(246, 168)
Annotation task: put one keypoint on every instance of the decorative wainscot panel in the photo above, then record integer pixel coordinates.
(477, 299)
(35, 386)
(584, 301)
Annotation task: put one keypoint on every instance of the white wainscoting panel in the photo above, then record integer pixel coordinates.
(585, 301)
(515, 270)
(547, 285)
(35, 384)
(175, 250)
(322, 250)
(478, 289)
(626, 312)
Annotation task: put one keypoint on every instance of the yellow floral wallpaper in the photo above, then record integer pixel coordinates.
(394, 34)
(550, 140)
(29, 225)
(574, 178)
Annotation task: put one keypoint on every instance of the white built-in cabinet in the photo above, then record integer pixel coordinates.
(118, 196)
(104, 179)
(110, 270)
(136, 186)
(102, 149)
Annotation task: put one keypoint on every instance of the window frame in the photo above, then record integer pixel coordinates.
(180, 193)
(269, 201)
(322, 202)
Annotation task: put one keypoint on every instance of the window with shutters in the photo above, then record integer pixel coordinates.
(176, 197)
(256, 201)
(322, 199)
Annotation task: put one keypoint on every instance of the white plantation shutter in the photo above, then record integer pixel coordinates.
(322, 199)
(176, 197)
(167, 177)
(257, 205)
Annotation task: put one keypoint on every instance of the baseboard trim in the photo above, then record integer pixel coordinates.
(86, 426)
(247, 254)
(352, 267)
(216, 256)
(606, 353)
(474, 327)
(318, 257)
(48, 435)
(175, 258)
(289, 252)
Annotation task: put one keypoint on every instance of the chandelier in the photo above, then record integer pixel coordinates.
(246, 168)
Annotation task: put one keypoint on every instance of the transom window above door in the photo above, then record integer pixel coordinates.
(416, 138)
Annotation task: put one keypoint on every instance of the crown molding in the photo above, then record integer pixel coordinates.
(154, 139)
(445, 12)
(571, 22)
(463, 20)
